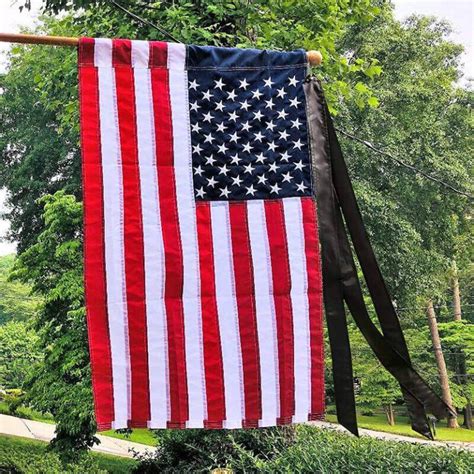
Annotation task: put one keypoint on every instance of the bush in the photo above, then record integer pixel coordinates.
(304, 449)
(201, 451)
(329, 451)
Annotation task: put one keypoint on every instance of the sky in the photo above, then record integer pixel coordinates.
(460, 13)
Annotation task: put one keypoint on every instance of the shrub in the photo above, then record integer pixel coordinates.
(304, 449)
(201, 451)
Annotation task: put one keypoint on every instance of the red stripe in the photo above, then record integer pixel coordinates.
(284, 318)
(172, 247)
(94, 259)
(315, 292)
(213, 368)
(245, 294)
(133, 237)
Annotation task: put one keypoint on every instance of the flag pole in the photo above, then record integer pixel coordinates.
(314, 57)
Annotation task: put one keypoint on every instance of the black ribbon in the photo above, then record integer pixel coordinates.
(335, 199)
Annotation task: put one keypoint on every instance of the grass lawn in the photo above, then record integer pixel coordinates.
(138, 435)
(30, 456)
(402, 427)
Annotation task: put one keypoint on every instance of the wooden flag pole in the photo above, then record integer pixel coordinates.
(314, 57)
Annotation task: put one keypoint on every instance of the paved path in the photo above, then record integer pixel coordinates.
(12, 425)
(397, 437)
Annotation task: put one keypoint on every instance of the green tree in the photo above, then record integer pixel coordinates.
(16, 301)
(61, 383)
(18, 354)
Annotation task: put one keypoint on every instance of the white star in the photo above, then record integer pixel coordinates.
(272, 145)
(294, 102)
(235, 159)
(248, 168)
(200, 192)
(301, 187)
(236, 181)
(284, 156)
(282, 114)
(258, 136)
(268, 82)
(231, 95)
(273, 167)
(269, 103)
(256, 94)
(225, 192)
(223, 170)
(287, 177)
(275, 188)
(207, 95)
(233, 116)
(247, 147)
(258, 115)
(250, 190)
(208, 117)
(195, 127)
(198, 170)
(222, 148)
(219, 83)
(281, 93)
(293, 81)
(197, 149)
(234, 137)
(193, 84)
(260, 158)
(221, 127)
(270, 125)
(244, 84)
(246, 126)
(298, 144)
(194, 106)
(219, 106)
(299, 165)
(245, 105)
(210, 160)
(209, 138)
(211, 181)
(284, 135)
(296, 124)
(262, 179)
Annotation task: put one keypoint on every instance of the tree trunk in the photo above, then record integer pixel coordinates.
(456, 294)
(389, 414)
(442, 371)
(467, 412)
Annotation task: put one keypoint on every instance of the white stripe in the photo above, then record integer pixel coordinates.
(178, 81)
(299, 302)
(152, 241)
(266, 320)
(227, 313)
(103, 52)
(113, 235)
(140, 54)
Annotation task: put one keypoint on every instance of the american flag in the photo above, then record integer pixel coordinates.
(202, 272)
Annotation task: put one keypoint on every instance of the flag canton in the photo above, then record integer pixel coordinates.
(249, 133)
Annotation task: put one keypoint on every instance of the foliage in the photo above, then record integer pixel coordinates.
(18, 353)
(61, 384)
(19, 455)
(197, 450)
(423, 118)
(16, 302)
(312, 450)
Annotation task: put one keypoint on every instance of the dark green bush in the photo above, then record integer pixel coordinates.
(200, 451)
(304, 449)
